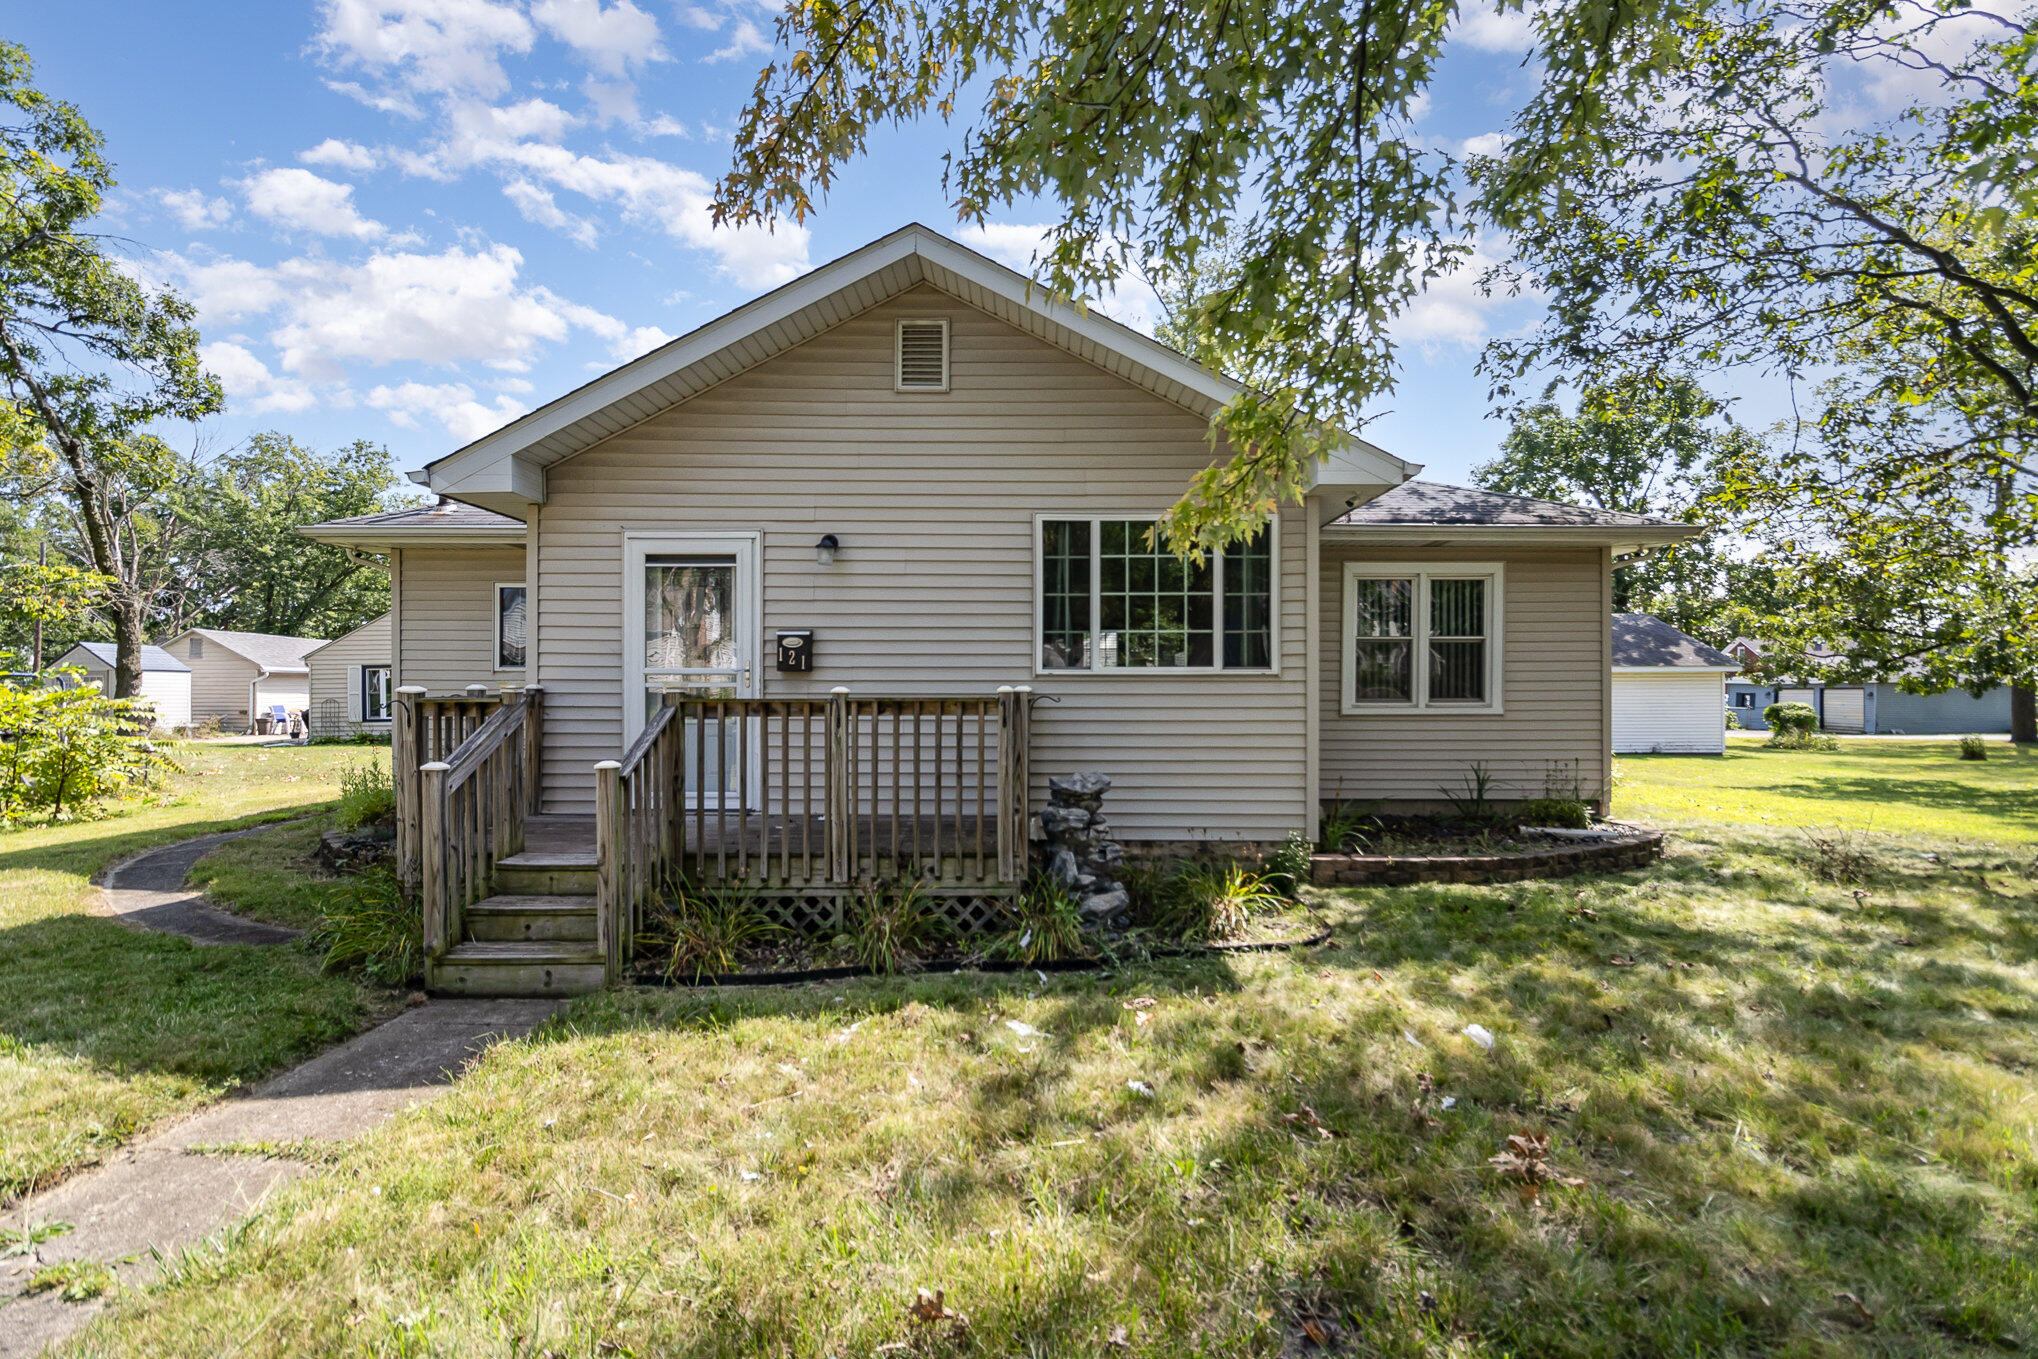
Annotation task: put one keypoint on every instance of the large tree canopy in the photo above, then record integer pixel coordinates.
(90, 359)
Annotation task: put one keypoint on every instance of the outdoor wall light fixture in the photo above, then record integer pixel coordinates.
(824, 551)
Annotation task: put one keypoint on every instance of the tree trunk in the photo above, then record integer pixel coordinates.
(127, 647)
(2023, 715)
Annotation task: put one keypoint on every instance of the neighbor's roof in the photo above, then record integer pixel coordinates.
(378, 620)
(506, 468)
(153, 657)
(1420, 510)
(279, 655)
(1642, 641)
(447, 522)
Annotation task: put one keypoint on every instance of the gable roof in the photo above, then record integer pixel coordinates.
(378, 619)
(448, 522)
(154, 658)
(1642, 641)
(276, 654)
(1420, 511)
(505, 469)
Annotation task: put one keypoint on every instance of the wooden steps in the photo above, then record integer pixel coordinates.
(536, 935)
(530, 919)
(518, 969)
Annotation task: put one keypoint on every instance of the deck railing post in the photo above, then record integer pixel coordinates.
(406, 755)
(435, 890)
(1022, 777)
(608, 864)
(835, 773)
(1007, 856)
(534, 749)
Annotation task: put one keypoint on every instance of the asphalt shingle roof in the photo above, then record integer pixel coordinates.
(1420, 503)
(267, 650)
(153, 657)
(1642, 639)
(446, 514)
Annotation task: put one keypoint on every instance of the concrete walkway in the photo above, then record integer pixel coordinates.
(148, 891)
(172, 1189)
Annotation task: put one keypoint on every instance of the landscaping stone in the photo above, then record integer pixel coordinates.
(1624, 847)
(1076, 853)
(357, 851)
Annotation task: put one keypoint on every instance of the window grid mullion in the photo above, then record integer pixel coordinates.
(1096, 594)
(1420, 661)
(1217, 612)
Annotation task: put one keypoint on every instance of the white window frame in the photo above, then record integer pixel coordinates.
(495, 603)
(1495, 574)
(361, 692)
(1096, 519)
(899, 354)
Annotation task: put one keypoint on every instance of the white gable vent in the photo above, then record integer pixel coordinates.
(923, 355)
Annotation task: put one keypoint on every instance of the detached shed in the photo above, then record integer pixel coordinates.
(239, 676)
(1669, 690)
(166, 681)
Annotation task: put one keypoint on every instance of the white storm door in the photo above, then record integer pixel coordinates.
(692, 625)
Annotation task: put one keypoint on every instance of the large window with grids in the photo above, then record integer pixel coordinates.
(1422, 638)
(1110, 602)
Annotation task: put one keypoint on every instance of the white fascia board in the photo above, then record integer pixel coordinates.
(1675, 669)
(372, 539)
(1502, 534)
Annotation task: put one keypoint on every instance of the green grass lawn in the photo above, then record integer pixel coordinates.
(273, 877)
(1918, 788)
(1786, 1115)
(105, 1029)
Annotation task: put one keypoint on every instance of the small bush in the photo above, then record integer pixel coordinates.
(64, 750)
(1789, 717)
(1973, 748)
(1733, 722)
(367, 797)
(1572, 813)
(1346, 828)
(1472, 801)
(710, 930)
(893, 927)
(369, 926)
(1050, 925)
(1287, 868)
(1216, 901)
(1802, 740)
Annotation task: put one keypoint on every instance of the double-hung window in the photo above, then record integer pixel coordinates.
(375, 693)
(1110, 602)
(1422, 638)
(509, 626)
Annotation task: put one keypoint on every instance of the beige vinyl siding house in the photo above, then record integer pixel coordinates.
(448, 616)
(166, 681)
(238, 675)
(352, 681)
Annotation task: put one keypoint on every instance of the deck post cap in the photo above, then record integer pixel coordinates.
(608, 764)
(1005, 689)
(410, 688)
(435, 767)
(839, 689)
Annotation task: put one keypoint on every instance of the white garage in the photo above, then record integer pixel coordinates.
(1669, 690)
(166, 681)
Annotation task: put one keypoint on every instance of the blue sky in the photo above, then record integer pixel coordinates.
(412, 220)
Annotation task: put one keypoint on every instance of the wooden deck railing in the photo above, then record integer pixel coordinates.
(637, 801)
(430, 728)
(471, 801)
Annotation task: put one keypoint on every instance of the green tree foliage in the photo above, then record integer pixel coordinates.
(62, 750)
(89, 357)
(1743, 210)
(1157, 127)
(248, 567)
(55, 595)
(1644, 445)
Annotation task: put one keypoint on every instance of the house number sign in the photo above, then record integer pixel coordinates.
(796, 651)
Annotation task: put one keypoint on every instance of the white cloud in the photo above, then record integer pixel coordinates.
(1453, 312)
(745, 39)
(695, 16)
(1485, 144)
(538, 205)
(340, 155)
(427, 45)
(664, 125)
(611, 39)
(452, 404)
(1491, 30)
(249, 383)
(294, 198)
(638, 340)
(1132, 302)
(194, 209)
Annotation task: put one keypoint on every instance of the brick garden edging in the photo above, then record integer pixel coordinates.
(1637, 847)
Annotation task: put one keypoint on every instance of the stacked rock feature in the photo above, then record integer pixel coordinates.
(1078, 852)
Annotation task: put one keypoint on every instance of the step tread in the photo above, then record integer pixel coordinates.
(522, 951)
(534, 904)
(549, 858)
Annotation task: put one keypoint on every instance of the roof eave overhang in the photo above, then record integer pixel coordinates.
(1620, 539)
(369, 538)
(507, 467)
(1675, 669)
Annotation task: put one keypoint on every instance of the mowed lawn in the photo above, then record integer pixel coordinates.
(105, 1029)
(1789, 1104)
(1896, 787)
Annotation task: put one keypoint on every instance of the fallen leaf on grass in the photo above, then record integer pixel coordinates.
(1526, 1163)
(1306, 1118)
(1117, 1340)
(1861, 1312)
(1621, 960)
(931, 1309)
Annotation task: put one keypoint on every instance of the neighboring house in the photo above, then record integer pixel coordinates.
(237, 677)
(353, 684)
(913, 476)
(166, 681)
(1667, 689)
(1875, 708)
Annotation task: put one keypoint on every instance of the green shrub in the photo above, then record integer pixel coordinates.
(1733, 722)
(893, 927)
(63, 750)
(1472, 801)
(710, 929)
(1973, 748)
(1345, 828)
(1050, 925)
(370, 926)
(1287, 868)
(1569, 812)
(1802, 740)
(1789, 717)
(1216, 901)
(367, 797)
